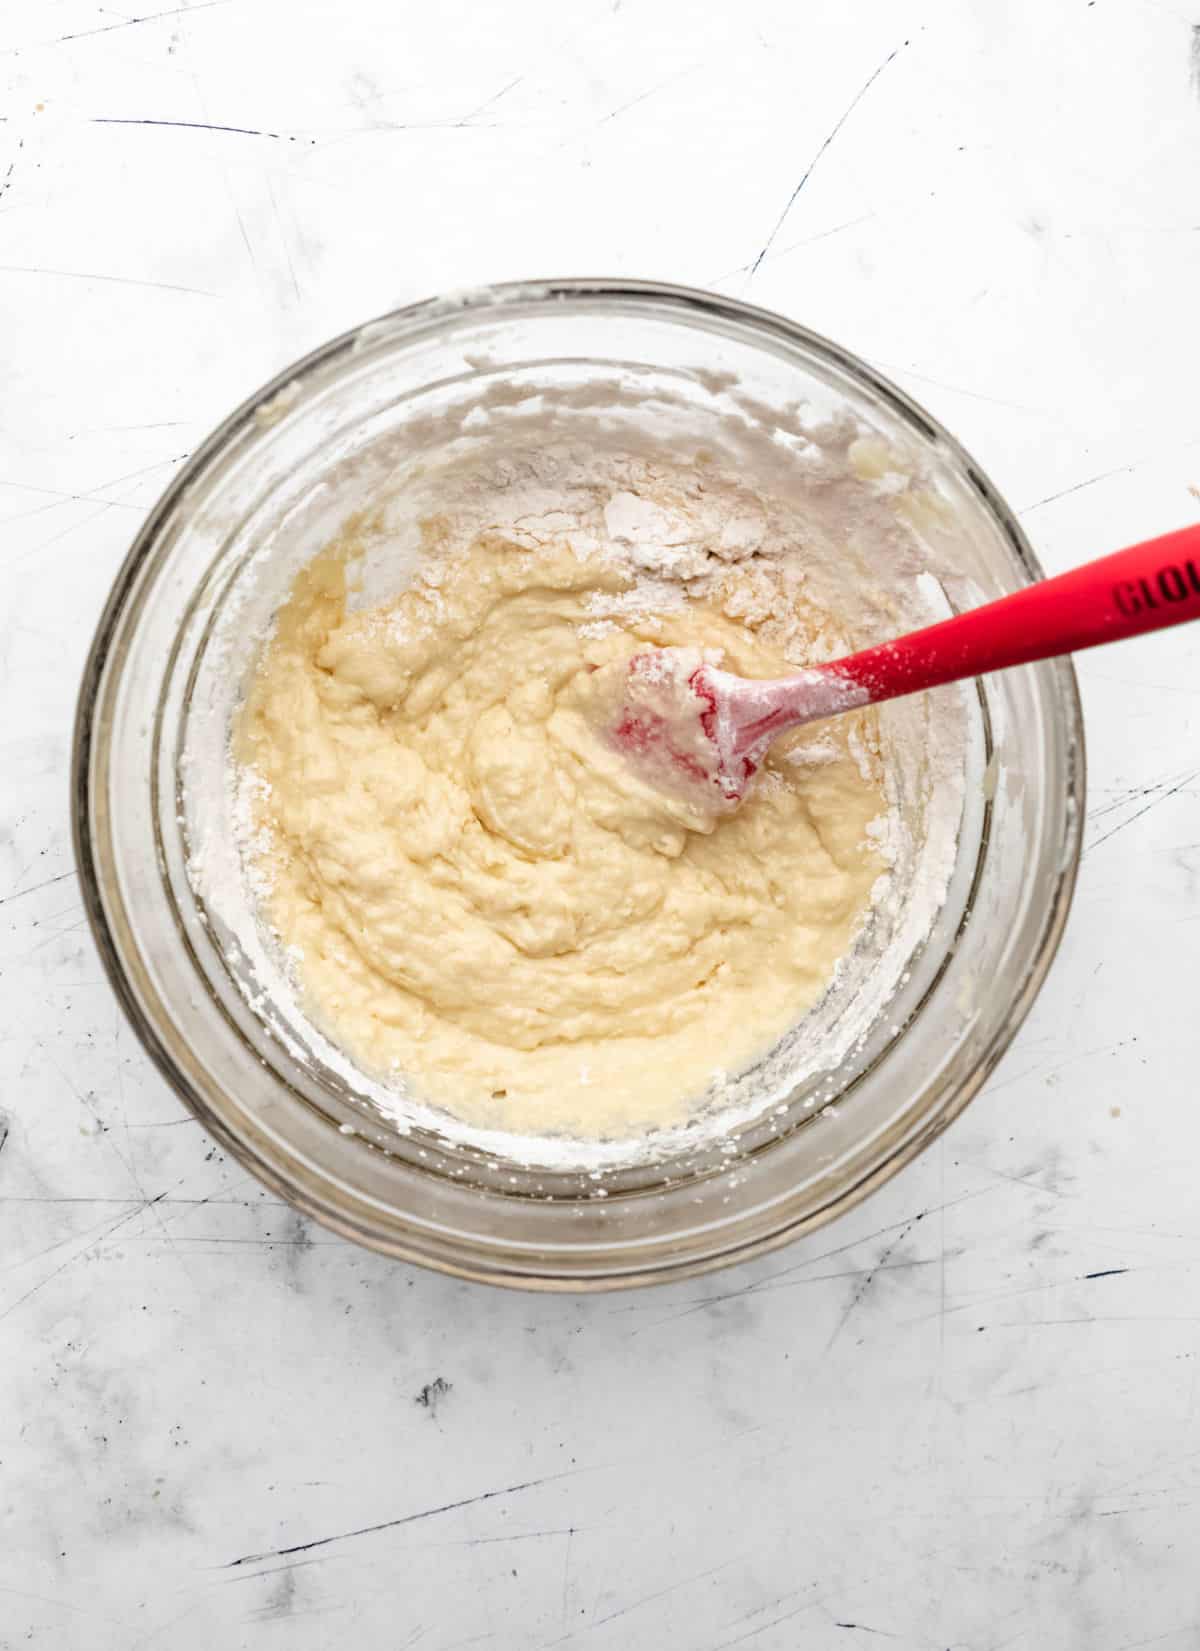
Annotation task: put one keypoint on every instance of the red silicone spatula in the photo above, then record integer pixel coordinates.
(702, 727)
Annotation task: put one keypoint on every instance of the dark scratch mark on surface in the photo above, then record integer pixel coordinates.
(1097, 1318)
(45, 1599)
(120, 429)
(392, 1524)
(132, 22)
(272, 1570)
(71, 1238)
(1107, 1272)
(57, 501)
(1121, 470)
(824, 235)
(283, 239)
(1145, 809)
(942, 1259)
(958, 389)
(779, 1282)
(432, 1394)
(795, 246)
(785, 1277)
(5, 186)
(845, 116)
(19, 894)
(218, 1242)
(651, 91)
(71, 1260)
(234, 1203)
(91, 275)
(281, 1601)
(879, 1266)
(126, 1159)
(187, 125)
(1127, 794)
(241, 223)
(661, 1593)
(1154, 1639)
(566, 1580)
(490, 102)
(765, 1627)
(44, 544)
(905, 1223)
(517, 1536)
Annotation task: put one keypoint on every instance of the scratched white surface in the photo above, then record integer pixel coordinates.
(966, 1416)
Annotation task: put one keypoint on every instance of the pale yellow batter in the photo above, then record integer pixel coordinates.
(484, 900)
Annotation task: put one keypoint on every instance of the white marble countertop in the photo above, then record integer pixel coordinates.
(965, 1416)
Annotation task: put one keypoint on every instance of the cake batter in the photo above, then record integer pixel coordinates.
(479, 898)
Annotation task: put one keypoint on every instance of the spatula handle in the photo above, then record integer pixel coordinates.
(1144, 588)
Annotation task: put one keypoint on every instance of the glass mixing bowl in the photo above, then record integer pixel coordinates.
(274, 471)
